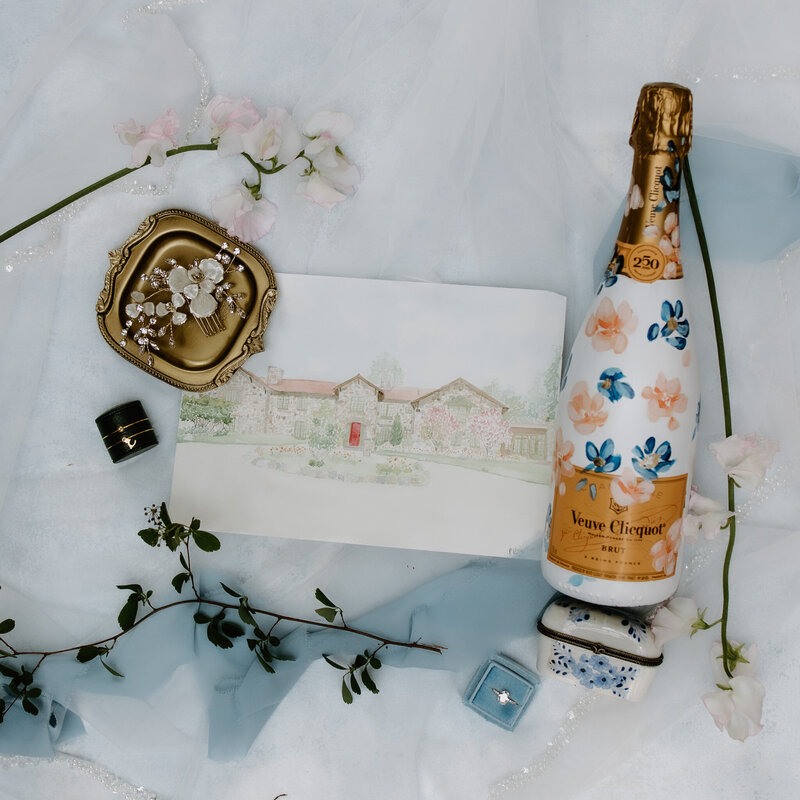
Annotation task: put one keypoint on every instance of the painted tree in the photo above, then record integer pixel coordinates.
(490, 429)
(396, 434)
(325, 435)
(385, 371)
(437, 425)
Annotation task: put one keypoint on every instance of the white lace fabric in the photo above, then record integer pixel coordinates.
(492, 139)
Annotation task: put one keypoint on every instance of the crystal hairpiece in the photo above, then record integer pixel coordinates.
(173, 296)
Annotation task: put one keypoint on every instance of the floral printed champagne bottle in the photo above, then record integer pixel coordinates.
(629, 405)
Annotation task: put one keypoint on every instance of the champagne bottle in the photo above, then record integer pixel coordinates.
(629, 405)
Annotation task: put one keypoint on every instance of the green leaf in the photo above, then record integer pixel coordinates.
(28, 706)
(217, 639)
(89, 652)
(231, 592)
(149, 536)
(354, 685)
(26, 678)
(132, 587)
(282, 657)
(127, 616)
(346, 696)
(201, 619)
(6, 626)
(232, 629)
(179, 580)
(327, 613)
(320, 595)
(274, 641)
(366, 679)
(6, 654)
(194, 524)
(333, 663)
(8, 671)
(267, 667)
(183, 562)
(359, 662)
(206, 541)
(112, 670)
(246, 617)
(164, 514)
(375, 662)
(35, 692)
(252, 643)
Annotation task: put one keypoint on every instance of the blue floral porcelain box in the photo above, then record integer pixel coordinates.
(608, 650)
(501, 690)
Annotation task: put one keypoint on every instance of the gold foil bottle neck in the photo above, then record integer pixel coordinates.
(663, 119)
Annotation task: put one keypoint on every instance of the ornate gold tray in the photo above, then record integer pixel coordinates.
(185, 301)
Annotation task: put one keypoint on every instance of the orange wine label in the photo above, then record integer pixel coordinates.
(617, 527)
(646, 263)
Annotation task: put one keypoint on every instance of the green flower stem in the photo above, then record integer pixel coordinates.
(121, 173)
(726, 408)
(233, 607)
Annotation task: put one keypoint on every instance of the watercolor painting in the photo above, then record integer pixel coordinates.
(383, 413)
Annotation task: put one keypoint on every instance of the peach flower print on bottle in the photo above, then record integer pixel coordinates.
(665, 552)
(563, 467)
(628, 489)
(664, 400)
(585, 410)
(609, 327)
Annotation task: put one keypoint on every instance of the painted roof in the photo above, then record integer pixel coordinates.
(404, 394)
(467, 385)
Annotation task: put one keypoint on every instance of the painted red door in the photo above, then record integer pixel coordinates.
(355, 434)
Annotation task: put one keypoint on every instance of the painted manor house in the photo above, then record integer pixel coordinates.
(366, 413)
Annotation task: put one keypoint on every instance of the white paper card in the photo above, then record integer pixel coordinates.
(409, 415)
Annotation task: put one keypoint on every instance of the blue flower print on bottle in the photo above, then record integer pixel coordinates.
(612, 271)
(603, 458)
(675, 329)
(612, 386)
(650, 461)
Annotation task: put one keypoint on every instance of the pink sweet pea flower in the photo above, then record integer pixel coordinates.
(224, 113)
(737, 707)
(745, 459)
(241, 215)
(152, 142)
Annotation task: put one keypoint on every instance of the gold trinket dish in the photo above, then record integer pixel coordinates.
(185, 302)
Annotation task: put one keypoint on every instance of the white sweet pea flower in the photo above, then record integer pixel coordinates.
(274, 136)
(331, 178)
(745, 459)
(737, 707)
(326, 129)
(673, 620)
(151, 142)
(241, 215)
(706, 514)
(197, 285)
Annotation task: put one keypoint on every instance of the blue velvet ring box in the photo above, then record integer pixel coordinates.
(501, 690)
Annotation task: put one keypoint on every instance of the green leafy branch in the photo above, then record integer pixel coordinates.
(214, 615)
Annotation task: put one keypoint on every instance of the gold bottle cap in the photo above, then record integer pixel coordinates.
(663, 115)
